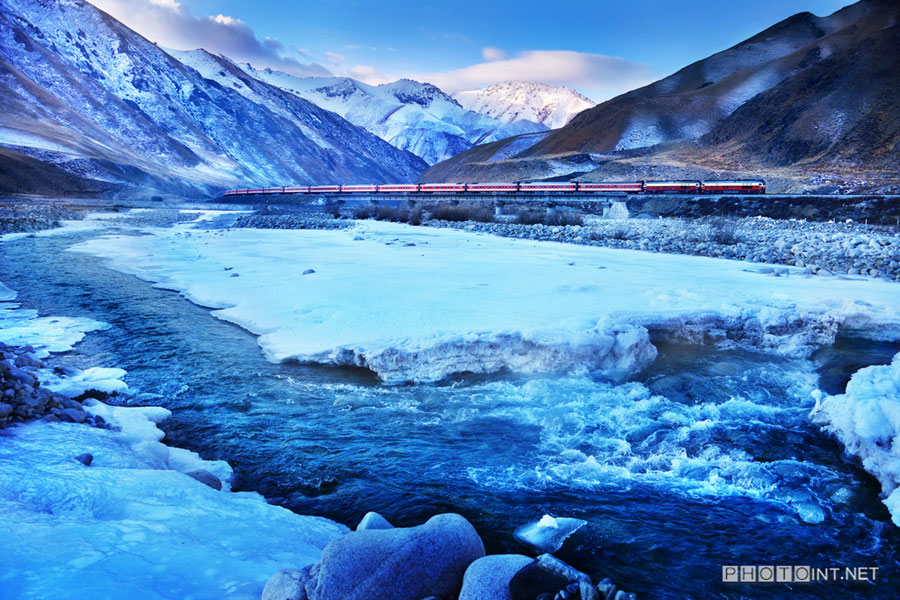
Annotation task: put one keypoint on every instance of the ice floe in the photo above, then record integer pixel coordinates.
(418, 304)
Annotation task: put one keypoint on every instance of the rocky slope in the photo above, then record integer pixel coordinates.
(510, 101)
(410, 115)
(810, 103)
(83, 93)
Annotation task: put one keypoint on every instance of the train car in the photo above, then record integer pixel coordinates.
(273, 190)
(324, 189)
(256, 191)
(676, 187)
(541, 187)
(442, 188)
(398, 188)
(734, 187)
(230, 192)
(612, 187)
(492, 187)
(301, 189)
(359, 189)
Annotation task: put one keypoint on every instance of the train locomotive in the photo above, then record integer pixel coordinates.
(756, 186)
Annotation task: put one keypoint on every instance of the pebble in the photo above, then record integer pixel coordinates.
(72, 415)
(86, 459)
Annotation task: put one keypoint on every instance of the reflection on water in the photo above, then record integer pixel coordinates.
(707, 458)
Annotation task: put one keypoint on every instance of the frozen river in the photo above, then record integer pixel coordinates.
(682, 457)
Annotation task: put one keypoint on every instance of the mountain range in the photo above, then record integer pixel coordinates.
(91, 106)
(84, 93)
(410, 115)
(809, 103)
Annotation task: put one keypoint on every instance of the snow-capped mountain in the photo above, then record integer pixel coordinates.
(510, 101)
(83, 92)
(413, 116)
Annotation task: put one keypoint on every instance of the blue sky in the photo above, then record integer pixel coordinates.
(599, 47)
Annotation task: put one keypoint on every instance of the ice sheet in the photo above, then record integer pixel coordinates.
(415, 303)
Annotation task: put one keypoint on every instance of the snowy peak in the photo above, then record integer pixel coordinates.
(408, 91)
(409, 115)
(510, 101)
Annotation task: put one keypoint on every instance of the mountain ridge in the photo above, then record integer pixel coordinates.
(411, 115)
(694, 123)
(92, 97)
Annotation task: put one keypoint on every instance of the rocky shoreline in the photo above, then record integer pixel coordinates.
(819, 248)
(22, 398)
(30, 217)
(442, 559)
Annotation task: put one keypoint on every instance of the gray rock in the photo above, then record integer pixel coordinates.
(5, 410)
(372, 520)
(397, 564)
(287, 584)
(86, 459)
(25, 360)
(309, 271)
(546, 574)
(72, 415)
(488, 578)
(606, 589)
(206, 478)
(587, 591)
(23, 377)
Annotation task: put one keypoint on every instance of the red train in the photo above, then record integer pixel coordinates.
(618, 187)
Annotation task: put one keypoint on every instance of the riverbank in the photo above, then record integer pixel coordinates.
(96, 505)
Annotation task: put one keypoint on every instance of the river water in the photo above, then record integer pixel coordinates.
(705, 459)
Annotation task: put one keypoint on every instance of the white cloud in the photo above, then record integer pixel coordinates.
(334, 58)
(171, 24)
(598, 76)
(223, 20)
(368, 74)
(492, 53)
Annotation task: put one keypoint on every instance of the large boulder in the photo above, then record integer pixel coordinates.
(488, 578)
(287, 584)
(405, 563)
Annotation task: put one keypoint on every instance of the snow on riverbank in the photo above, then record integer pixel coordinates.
(21, 327)
(132, 523)
(129, 523)
(866, 420)
(415, 303)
